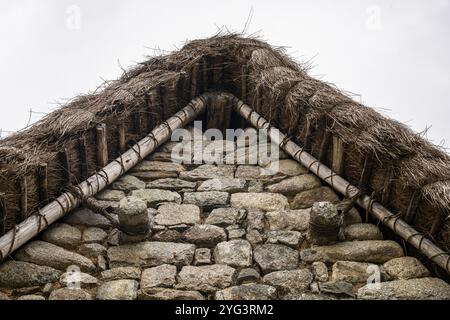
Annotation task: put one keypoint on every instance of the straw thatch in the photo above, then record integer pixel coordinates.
(264, 77)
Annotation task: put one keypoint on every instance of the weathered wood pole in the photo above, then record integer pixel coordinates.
(82, 150)
(122, 139)
(338, 155)
(102, 146)
(42, 176)
(23, 198)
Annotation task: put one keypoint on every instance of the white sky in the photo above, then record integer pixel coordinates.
(394, 54)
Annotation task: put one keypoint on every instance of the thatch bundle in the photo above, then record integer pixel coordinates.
(409, 175)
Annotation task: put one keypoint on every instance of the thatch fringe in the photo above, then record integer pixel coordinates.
(276, 87)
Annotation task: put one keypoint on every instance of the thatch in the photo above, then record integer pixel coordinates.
(277, 87)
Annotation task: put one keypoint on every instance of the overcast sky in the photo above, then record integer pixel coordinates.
(394, 54)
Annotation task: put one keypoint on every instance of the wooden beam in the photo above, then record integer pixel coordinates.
(324, 146)
(194, 80)
(205, 74)
(102, 146)
(338, 155)
(122, 139)
(136, 122)
(65, 165)
(42, 176)
(244, 77)
(23, 198)
(3, 214)
(82, 150)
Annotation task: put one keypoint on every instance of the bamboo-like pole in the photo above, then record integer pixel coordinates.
(339, 184)
(54, 211)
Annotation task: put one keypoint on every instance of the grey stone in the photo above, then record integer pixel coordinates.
(17, 274)
(337, 287)
(235, 233)
(78, 278)
(320, 271)
(205, 235)
(324, 216)
(236, 253)
(128, 183)
(362, 231)
(223, 184)
(32, 297)
(208, 171)
(291, 167)
(118, 290)
(202, 256)
(158, 166)
(63, 235)
(174, 214)
(353, 272)
(150, 254)
(263, 201)
(249, 172)
(69, 294)
(289, 219)
(224, 217)
(306, 199)
(289, 238)
(172, 184)
(274, 257)
(168, 294)
(155, 197)
(294, 185)
(110, 195)
(94, 235)
(307, 296)
(47, 254)
(102, 263)
(412, 289)
(254, 237)
(373, 251)
(148, 176)
(206, 278)
(206, 199)
(405, 268)
(4, 297)
(255, 186)
(92, 250)
(86, 217)
(248, 275)
(289, 281)
(168, 236)
(246, 292)
(113, 237)
(255, 219)
(132, 273)
(160, 276)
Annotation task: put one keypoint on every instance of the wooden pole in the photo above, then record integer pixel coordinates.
(3, 214)
(83, 158)
(42, 174)
(122, 139)
(65, 163)
(339, 184)
(338, 155)
(54, 211)
(23, 198)
(102, 146)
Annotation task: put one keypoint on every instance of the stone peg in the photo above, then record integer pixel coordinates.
(325, 223)
(134, 221)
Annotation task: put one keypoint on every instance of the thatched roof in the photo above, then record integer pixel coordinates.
(276, 87)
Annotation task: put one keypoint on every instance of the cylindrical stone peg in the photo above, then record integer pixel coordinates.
(134, 222)
(324, 224)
